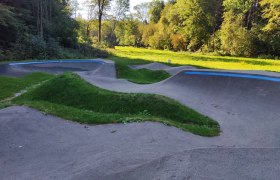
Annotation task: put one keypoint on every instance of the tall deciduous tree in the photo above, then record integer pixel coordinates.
(235, 34)
(197, 20)
(119, 11)
(120, 8)
(101, 6)
(75, 7)
(141, 12)
(155, 8)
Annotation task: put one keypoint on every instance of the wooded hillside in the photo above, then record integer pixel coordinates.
(46, 29)
(40, 29)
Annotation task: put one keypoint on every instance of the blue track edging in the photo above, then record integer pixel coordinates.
(56, 61)
(237, 75)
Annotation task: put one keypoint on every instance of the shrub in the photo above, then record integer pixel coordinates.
(53, 49)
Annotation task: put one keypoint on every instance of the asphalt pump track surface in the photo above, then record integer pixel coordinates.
(245, 103)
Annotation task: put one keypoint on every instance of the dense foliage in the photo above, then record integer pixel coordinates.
(228, 27)
(40, 29)
(49, 28)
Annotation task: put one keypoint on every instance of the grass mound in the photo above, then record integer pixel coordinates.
(11, 85)
(141, 76)
(70, 97)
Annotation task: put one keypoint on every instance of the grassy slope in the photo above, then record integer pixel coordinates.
(70, 97)
(185, 58)
(11, 85)
(142, 76)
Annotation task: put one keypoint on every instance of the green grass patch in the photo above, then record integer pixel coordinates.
(198, 60)
(11, 85)
(70, 97)
(141, 76)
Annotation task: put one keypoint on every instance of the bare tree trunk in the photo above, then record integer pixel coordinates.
(214, 45)
(41, 22)
(101, 5)
(38, 17)
(50, 14)
(99, 27)
(46, 10)
(87, 30)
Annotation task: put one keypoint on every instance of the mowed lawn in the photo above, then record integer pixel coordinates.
(207, 61)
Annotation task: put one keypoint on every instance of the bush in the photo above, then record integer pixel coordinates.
(29, 46)
(53, 49)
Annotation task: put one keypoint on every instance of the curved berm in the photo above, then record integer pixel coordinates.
(51, 66)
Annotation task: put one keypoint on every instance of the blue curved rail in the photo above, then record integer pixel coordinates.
(236, 75)
(56, 61)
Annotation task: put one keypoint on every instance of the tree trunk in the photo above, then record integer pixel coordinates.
(214, 46)
(38, 18)
(50, 14)
(87, 31)
(41, 17)
(99, 27)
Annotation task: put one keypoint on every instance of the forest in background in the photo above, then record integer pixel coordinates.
(41, 29)
(45, 29)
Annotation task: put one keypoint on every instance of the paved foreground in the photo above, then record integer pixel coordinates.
(38, 146)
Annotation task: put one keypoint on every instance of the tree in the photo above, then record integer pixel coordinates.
(238, 6)
(6, 15)
(155, 8)
(236, 37)
(35, 28)
(101, 6)
(120, 8)
(271, 12)
(147, 31)
(141, 12)
(75, 7)
(271, 30)
(127, 33)
(119, 11)
(197, 21)
(245, 7)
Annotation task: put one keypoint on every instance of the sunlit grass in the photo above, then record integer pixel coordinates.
(207, 61)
